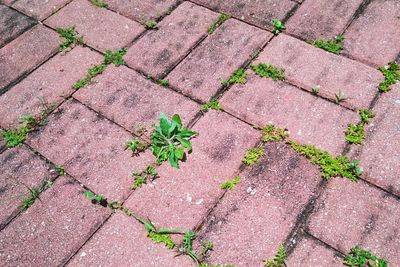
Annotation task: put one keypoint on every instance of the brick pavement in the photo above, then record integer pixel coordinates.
(75, 140)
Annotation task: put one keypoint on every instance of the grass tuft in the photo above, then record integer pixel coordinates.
(334, 46)
(269, 71)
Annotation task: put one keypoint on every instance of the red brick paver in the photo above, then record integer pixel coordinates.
(101, 28)
(12, 24)
(157, 51)
(39, 9)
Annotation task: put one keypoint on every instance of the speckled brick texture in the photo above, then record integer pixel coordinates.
(158, 51)
(307, 66)
(132, 101)
(252, 220)
(53, 229)
(50, 84)
(39, 9)
(374, 37)
(18, 58)
(130, 247)
(262, 101)
(90, 148)
(101, 28)
(20, 169)
(350, 214)
(201, 73)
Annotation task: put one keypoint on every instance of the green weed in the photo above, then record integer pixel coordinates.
(315, 90)
(207, 246)
(99, 3)
(71, 37)
(60, 170)
(34, 194)
(269, 71)
(270, 133)
(92, 72)
(96, 199)
(213, 104)
(355, 133)
(231, 183)
(187, 246)
(363, 258)
(141, 178)
(334, 46)
(164, 83)
(278, 26)
(366, 115)
(221, 19)
(278, 260)
(151, 24)
(15, 137)
(252, 156)
(238, 76)
(161, 238)
(391, 71)
(136, 146)
(115, 57)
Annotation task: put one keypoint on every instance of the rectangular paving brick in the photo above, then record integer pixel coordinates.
(350, 214)
(101, 28)
(39, 9)
(374, 37)
(180, 198)
(380, 156)
(130, 247)
(307, 66)
(320, 19)
(51, 230)
(132, 101)
(260, 13)
(201, 73)
(90, 148)
(262, 101)
(12, 24)
(20, 168)
(47, 85)
(251, 221)
(142, 10)
(158, 51)
(25, 53)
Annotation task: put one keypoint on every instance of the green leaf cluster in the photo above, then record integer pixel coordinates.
(163, 82)
(213, 104)
(141, 178)
(115, 57)
(238, 76)
(355, 133)
(92, 72)
(96, 199)
(170, 139)
(366, 115)
(334, 46)
(278, 260)
(34, 194)
(221, 19)
(99, 3)
(15, 137)
(270, 133)
(161, 238)
(151, 24)
(391, 72)
(269, 71)
(252, 156)
(231, 183)
(70, 36)
(363, 258)
(60, 170)
(136, 146)
(278, 26)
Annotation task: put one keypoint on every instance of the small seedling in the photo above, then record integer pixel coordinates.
(229, 185)
(207, 246)
(391, 72)
(92, 72)
(315, 90)
(278, 260)
(164, 83)
(34, 193)
(161, 238)
(15, 137)
(151, 24)
(99, 3)
(187, 246)
(170, 139)
(363, 258)
(238, 76)
(70, 36)
(213, 104)
(136, 146)
(270, 133)
(366, 115)
(141, 178)
(278, 26)
(252, 156)
(334, 46)
(269, 71)
(340, 97)
(60, 170)
(355, 133)
(115, 57)
(221, 19)
(96, 199)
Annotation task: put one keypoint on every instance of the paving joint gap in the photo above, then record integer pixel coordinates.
(326, 245)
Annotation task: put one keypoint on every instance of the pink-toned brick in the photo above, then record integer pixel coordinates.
(309, 252)
(201, 73)
(262, 101)
(12, 24)
(308, 66)
(101, 28)
(39, 9)
(319, 19)
(130, 247)
(51, 230)
(20, 168)
(349, 214)
(142, 10)
(132, 101)
(90, 148)
(158, 51)
(260, 13)
(180, 198)
(25, 53)
(47, 85)
(374, 37)
(251, 221)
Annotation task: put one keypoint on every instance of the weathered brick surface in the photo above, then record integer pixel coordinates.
(250, 222)
(320, 19)
(309, 252)
(259, 13)
(130, 247)
(39, 9)
(142, 10)
(308, 66)
(20, 168)
(46, 86)
(374, 37)
(351, 213)
(201, 73)
(262, 101)
(181, 197)
(12, 24)
(101, 28)
(51, 230)
(132, 101)
(157, 51)
(90, 148)
(26, 52)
